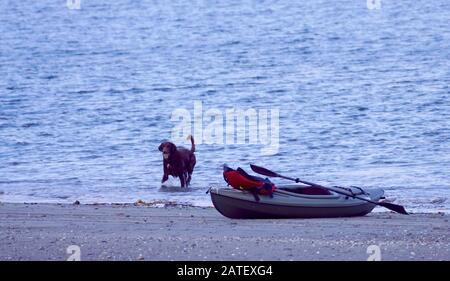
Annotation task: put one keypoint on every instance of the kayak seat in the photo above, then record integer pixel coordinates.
(309, 190)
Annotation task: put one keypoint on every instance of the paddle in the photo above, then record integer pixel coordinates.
(390, 206)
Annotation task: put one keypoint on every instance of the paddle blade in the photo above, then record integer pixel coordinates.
(263, 171)
(393, 207)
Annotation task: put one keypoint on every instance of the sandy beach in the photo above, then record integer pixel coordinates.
(128, 232)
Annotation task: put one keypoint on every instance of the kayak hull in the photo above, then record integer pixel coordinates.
(238, 204)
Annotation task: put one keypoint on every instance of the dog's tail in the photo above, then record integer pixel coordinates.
(190, 137)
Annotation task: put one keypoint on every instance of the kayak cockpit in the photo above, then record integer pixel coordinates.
(307, 190)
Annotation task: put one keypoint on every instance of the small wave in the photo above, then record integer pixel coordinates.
(334, 38)
(210, 92)
(231, 43)
(90, 157)
(136, 90)
(13, 101)
(362, 108)
(277, 91)
(16, 163)
(29, 125)
(12, 88)
(115, 91)
(44, 134)
(259, 77)
(50, 77)
(438, 200)
(162, 89)
(174, 188)
(6, 125)
(83, 92)
(161, 204)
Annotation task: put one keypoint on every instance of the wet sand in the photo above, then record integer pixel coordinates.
(129, 232)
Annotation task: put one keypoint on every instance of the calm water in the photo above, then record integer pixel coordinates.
(86, 95)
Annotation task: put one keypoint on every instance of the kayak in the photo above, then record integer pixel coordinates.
(294, 201)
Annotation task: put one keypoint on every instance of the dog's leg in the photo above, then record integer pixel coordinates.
(188, 180)
(190, 170)
(164, 178)
(166, 172)
(183, 180)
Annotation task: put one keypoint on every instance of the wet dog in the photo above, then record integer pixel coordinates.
(178, 161)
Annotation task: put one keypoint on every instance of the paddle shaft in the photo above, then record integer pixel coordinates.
(390, 206)
(328, 188)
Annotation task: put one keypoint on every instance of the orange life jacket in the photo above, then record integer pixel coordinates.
(239, 179)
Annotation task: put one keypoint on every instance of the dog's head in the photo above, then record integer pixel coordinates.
(167, 149)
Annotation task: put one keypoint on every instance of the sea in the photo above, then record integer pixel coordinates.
(357, 93)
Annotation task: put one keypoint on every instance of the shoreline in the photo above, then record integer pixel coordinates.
(162, 203)
(133, 231)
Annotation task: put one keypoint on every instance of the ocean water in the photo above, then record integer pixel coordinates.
(87, 95)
